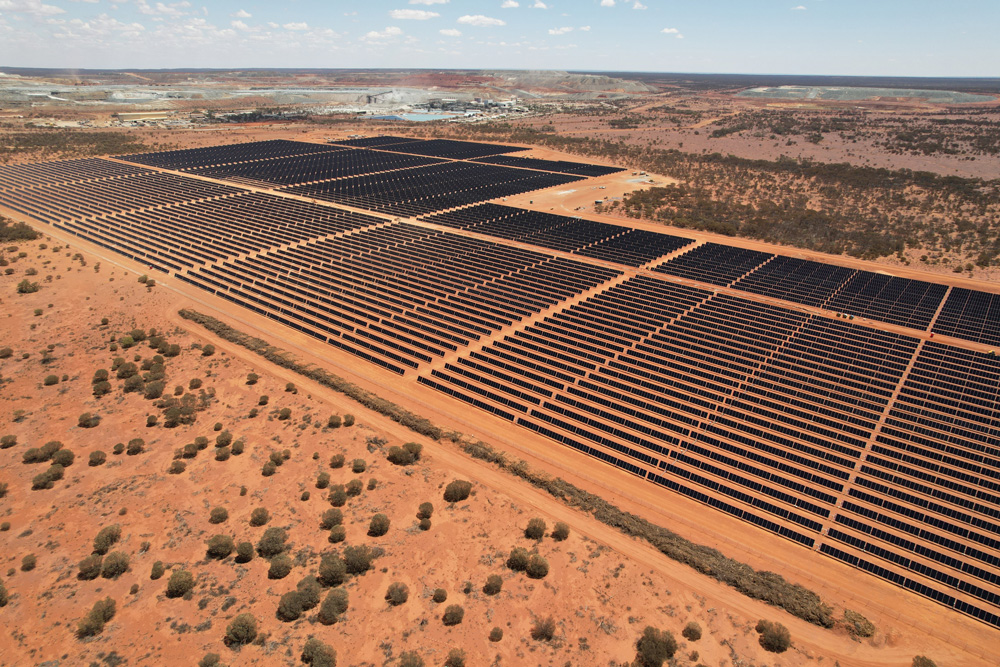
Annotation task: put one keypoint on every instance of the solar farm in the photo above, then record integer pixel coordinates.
(852, 412)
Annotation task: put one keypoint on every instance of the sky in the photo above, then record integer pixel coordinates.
(838, 37)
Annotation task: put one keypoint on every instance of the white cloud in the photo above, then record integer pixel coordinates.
(539, 5)
(510, 4)
(800, 8)
(160, 9)
(239, 25)
(428, 2)
(607, 3)
(388, 33)
(412, 14)
(33, 7)
(296, 26)
(480, 21)
(451, 32)
(242, 14)
(639, 5)
(673, 31)
(585, 28)
(559, 31)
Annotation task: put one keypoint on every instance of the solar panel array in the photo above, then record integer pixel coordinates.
(874, 448)
(561, 166)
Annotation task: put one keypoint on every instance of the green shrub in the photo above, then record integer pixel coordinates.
(222, 454)
(494, 583)
(691, 631)
(425, 524)
(453, 615)
(456, 658)
(518, 559)
(285, 414)
(535, 529)
(358, 466)
(224, 439)
(106, 538)
(378, 526)
(6, 352)
(560, 532)
(358, 559)
(496, 634)
(180, 582)
(318, 654)
(177, 467)
(338, 495)
(244, 552)
(537, 568)
(135, 446)
(90, 568)
(157, 571)
(330, 518)
(334, 605)
(544, 629)
(333, 422)
(93, 623)
(397, 594)
(26, 287)
(115, 565)
(425, 511)
(337, 461)
(281, 566)
(332, 570)
(354, 488)
(348, 420)
(399, 456)
(238, 447)
(290, 604)
(50, 380)
(87, 419)
(440, 595)
(337, 534)
(218, 515)
(372, 483)
(241, 630)
(323, 480)
(43, 453)
(654, 647)
(268, 469)
(4, 595)
(922, 661)
(8, 441)
(220, 546)
(310, 591)
(211, 660)
(272, 542)
(252, 378)
(858, 625)
(100, 389)
(207, 350)
(774, 637)
(457, 491)
(410, 659)
(259, 517)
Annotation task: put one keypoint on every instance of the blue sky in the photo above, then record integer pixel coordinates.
(859, 37)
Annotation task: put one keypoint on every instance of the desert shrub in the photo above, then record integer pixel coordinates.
(177, 467)
(348, 420)
(399, 456)
(90, 567)
(252, 378)
(334, 421)
(410, 659)
(535, 529)
(310, 591)
(6, 352)
(118, 449)
(560, 532)
(238, 447)
(244, 552)
(285, 414)
(289, 606)
(218, 515)
(337, 534)
(457, 491)
(358, 559)
(4, 527)
(323, 480)
(281, 565)
(241, 630)
(330, 518)
(774, 637)
(338, 495)
(922, 661)
(220, 546)
(538, 567)
(691, 631)
(154, 390)
(43, 453)
(456, 658)
(318, 654)
(858, 625)
(272, 542)
(28, 563)
(222, 454)
(50, 380)
(87, 419)
(63, 457)
(106, 538)
(4, 596)
(3, 489)
(440, 595)
(332, 570)
(378, 526)
(259, 517)
(425, 524)
(358, 466)
(224, 439)
(354, 488)
(99, 389)
(337, 461)
(211, 660)
(494, 583)
(425, 511)
(496, 634)
(544, 629)
(133, 385)
(263, 400)
(207, 350)
(518, 559)
(115, 565)
(26, 287)
(151, 421)
(201, 442)
(100, 375)
(453, 615)
(127, 370)
(372, 483)
(157, 571)
(93, 623)
(654, 647)
(190, 450)
(334, 605)
(397, 594)
(305, 496)
(135, 446)
(180, 582)
(8, 441)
